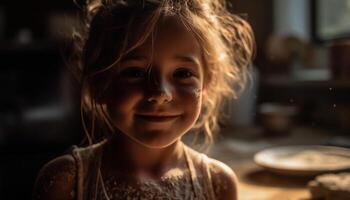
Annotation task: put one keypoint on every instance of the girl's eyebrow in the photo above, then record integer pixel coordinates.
(180, 57)
(188, 58)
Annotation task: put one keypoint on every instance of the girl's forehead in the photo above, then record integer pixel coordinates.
(170, 37)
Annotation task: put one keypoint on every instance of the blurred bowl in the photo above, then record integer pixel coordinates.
(277, 119)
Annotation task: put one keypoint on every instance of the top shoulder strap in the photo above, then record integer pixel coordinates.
(201, 186)
(208, 186)
(87, 161)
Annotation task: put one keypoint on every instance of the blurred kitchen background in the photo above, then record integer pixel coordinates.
(299, 88)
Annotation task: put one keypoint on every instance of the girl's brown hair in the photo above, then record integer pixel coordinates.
(108, 32)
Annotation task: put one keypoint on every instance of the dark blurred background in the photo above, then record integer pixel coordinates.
(39, 105)
(300, 78)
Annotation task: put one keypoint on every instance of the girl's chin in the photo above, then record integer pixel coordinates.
(151, 138)
(157, 145)
(156, 142)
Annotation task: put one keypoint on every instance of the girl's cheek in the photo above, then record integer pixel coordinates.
(192, 93)
(122, 94)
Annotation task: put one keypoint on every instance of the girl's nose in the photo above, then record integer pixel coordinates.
(159, 92)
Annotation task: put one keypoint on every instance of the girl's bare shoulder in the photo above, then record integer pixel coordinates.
(224, 180)
(56, 180)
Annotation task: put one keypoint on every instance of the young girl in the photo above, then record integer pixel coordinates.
(151, 71)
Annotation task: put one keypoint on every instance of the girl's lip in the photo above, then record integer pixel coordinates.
(157, 117)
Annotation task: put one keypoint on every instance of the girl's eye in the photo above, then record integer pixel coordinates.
(183, 73)
(133, 73)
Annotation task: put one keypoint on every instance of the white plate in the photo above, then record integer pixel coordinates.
(304, 160)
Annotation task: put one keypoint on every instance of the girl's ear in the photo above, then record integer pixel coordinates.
(99, 87)
(101, 100)
(102, 96)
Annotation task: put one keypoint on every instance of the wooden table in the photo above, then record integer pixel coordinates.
(255, 182)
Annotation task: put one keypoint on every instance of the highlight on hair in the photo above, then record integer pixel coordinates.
(113, 28)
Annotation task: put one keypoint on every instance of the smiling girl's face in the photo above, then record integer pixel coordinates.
(156, 91)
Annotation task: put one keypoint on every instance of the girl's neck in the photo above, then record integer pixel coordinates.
(128, 155)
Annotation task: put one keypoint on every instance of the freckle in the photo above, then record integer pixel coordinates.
(197, 92)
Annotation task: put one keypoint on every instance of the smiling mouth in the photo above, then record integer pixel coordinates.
(158, 118)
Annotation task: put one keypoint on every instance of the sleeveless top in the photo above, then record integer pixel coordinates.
(195, 185)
